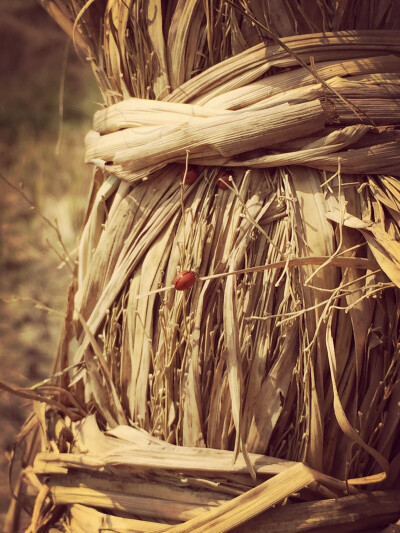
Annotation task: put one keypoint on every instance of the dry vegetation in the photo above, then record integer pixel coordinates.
(32, 50)
(198, 410)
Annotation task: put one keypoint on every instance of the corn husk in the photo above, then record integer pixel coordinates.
(268, 393)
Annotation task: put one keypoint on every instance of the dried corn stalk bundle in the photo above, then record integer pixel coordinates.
(209, 403)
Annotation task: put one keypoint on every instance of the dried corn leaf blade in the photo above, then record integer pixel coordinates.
(134, 112)
(222, 136)
(388, 195)
(255, 501)
(268, 400)
(186, 15)
(328, 515)
(343, 421)
(169, 488)
(84, 519)
(379, 159)
(142, 506)
(253, 63)
(385, 248)
(146, 231)
(213, 463)
(93, 228)
(98, 449)
(154, 25)
(360, 309)
(316, 237)
(333, 142)
(272, 85)
(388, 434)
(141, 328)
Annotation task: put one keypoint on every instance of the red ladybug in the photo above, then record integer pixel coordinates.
(224, 179)
(185, 279)
(191, 175)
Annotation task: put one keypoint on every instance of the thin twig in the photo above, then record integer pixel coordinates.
(351, 262)
(66, 258)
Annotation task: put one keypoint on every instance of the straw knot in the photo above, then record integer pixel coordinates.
(304, 116)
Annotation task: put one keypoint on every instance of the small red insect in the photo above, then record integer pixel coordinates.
(185, 279)
(191, 175)
(224, 179)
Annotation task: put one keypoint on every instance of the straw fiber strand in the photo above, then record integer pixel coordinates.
(274, 380)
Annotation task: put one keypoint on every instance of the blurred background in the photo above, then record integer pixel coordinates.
(47, 98)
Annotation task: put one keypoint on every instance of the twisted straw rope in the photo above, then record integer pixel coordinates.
(280, 120)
